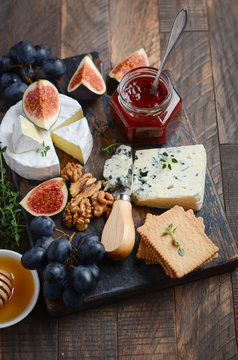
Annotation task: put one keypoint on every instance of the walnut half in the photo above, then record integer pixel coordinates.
(102, 203)
(72, 172)
(78, 216)
(87, 198)
(77, 187)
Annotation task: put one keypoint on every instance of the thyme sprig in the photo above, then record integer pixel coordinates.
(44, 149)
(11, 218)
(170, 232)
(109, 148)
(167, 161)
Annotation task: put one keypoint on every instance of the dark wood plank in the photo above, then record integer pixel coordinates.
(197, 14)
(85, 29)
(134, 24)
(89, 335)
(229, 161)
(36, 22)
(223, 32)
(34, 338)
(146, 327)
(205, 323)
(5, 27)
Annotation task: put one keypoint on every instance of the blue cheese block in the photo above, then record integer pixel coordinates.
(172, 176)
(118, 169)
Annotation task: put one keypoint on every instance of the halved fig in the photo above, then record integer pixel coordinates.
(41, 103)
(48, 198)
(135, 60)
(86, 83)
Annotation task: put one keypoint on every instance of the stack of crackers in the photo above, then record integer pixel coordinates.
(181, 252)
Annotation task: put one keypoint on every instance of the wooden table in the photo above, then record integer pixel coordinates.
(194, 321)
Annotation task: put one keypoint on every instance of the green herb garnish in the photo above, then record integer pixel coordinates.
(11, 218)
(170, 232)
(110, 147)
(44, 149)
(167, 162)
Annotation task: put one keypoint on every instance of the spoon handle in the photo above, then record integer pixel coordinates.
(178, 26)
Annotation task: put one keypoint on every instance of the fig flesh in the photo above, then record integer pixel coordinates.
(47, 199)
(41, 103)
(137, 59)
(86, 83)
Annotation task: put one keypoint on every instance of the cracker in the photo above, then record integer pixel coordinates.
(157, 248)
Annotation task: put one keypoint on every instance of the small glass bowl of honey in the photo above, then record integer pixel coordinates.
(19, 288)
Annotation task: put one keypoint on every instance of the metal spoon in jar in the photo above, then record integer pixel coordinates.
(178, 26)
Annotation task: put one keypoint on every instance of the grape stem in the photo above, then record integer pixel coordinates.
(28, 78)
(63, 233)
(71, 237)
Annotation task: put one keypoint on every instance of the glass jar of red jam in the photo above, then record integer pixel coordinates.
(142, 117)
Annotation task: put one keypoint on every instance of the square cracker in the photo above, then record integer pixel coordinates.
(155, 247)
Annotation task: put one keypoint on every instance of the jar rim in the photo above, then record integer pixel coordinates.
(150, 71)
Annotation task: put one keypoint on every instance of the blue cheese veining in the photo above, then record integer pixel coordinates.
(166, 177)
(118, 169)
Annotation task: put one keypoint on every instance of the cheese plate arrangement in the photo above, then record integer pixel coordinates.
(178, 229)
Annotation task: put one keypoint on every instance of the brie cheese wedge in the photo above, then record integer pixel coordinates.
(70, 112)
(31, 164)
(74, 139)
(26, 136)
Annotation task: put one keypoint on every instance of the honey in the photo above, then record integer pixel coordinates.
(23, 289)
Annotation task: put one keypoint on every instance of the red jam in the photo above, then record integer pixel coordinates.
(138, 93)
(142, 117)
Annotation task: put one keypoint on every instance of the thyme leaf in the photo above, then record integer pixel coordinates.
(170, 232)
(110, 147)
(44, 149)
(167, 161)
(11, 218)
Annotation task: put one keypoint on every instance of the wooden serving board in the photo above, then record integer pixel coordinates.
(121, 279)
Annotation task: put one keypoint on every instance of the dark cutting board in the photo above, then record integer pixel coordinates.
(131, 276)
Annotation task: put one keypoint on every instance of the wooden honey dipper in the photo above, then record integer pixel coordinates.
(6, 286)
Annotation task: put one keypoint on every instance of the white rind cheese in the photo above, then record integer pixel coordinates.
(118, 169)
(70, 112)
(31, 165)
(74, 139)
(158, 184)
(26, 136)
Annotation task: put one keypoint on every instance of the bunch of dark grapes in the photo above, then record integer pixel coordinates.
(69, 268)
(23, 65)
